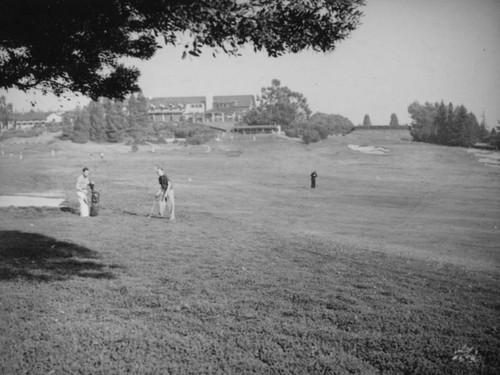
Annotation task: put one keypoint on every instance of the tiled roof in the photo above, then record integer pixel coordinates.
(176, 100)
(239, 100)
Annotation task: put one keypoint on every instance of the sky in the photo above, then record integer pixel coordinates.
(403, 51)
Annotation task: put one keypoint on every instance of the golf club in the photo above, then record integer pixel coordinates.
(153, 208)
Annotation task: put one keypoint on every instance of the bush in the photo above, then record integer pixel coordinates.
(135, 148)
(161, 141)
(78, 137)
(21, 133)
(322, 130)
(54, 127)
(310, 136)
(197, 139)
(293, 132)
(181, 133)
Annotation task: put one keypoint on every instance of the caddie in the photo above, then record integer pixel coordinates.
(82, 184)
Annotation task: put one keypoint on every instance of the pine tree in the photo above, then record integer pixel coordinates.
(442, 124)
(458, 127)
(81, 127)
(115, 120)
(5, 112)
(97, 121)
(394, 120)
(137, 116)
(367, 121)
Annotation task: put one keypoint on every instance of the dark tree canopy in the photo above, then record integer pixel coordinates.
(444, 124)
(66, 45)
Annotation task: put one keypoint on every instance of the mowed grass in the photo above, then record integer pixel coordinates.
(390, 266)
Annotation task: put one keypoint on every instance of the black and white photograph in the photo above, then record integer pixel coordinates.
(282, 187)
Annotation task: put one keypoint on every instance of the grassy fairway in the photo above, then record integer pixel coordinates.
(389, 267)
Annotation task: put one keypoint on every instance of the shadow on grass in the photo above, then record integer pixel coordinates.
(37, 257)
(70, 210)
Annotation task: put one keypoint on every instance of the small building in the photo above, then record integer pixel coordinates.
(54, 118)
(32, 119)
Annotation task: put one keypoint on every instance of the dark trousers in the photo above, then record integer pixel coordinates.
(313, 183)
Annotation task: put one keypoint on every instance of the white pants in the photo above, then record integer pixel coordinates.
(84, 206)
(170, 202)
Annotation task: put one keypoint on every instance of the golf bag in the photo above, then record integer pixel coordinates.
(94, 201)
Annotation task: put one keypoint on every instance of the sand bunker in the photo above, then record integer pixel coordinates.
(490, 158)
(28, 201)
(369, 149)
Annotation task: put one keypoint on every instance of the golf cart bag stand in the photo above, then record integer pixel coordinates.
(94, 202)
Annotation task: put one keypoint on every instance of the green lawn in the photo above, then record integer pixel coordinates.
(390, 266)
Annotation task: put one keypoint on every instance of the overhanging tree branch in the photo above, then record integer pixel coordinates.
(79, 44)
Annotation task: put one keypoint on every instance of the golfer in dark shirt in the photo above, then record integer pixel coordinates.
(313, 179)
(165, 194)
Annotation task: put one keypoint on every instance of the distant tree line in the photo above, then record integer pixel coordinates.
(446, 125)
(108, 120)
(114, 121)
(278, 105)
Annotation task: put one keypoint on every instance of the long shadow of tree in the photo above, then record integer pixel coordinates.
(37, 257)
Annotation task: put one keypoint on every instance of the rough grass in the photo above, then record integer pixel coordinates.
(389, 267)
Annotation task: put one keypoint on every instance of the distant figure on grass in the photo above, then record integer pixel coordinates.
(313, 180)
(166, 194)
(82, 184)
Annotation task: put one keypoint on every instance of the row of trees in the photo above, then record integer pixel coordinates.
(446, 125)
(108, 120)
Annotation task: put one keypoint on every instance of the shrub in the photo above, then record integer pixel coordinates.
(293, 133)
(196, 139)
(161, 141)
(310, 136)
(135, 148)
(181, 133)
(78, 137)
(21, 133)
(322, 130)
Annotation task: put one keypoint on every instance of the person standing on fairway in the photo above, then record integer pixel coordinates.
(313, 180)
(165, 194)
(82, 184)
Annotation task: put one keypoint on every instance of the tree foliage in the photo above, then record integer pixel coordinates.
(5, 112)
(394, 120)
(79, 46)
(367, 121)
(279, 105)
(319, 126)
(333, 123)
(444, 124)
(109, 120)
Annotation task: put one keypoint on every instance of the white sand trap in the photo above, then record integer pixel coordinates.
(25, 201)
(369, 149)
(490, 158)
